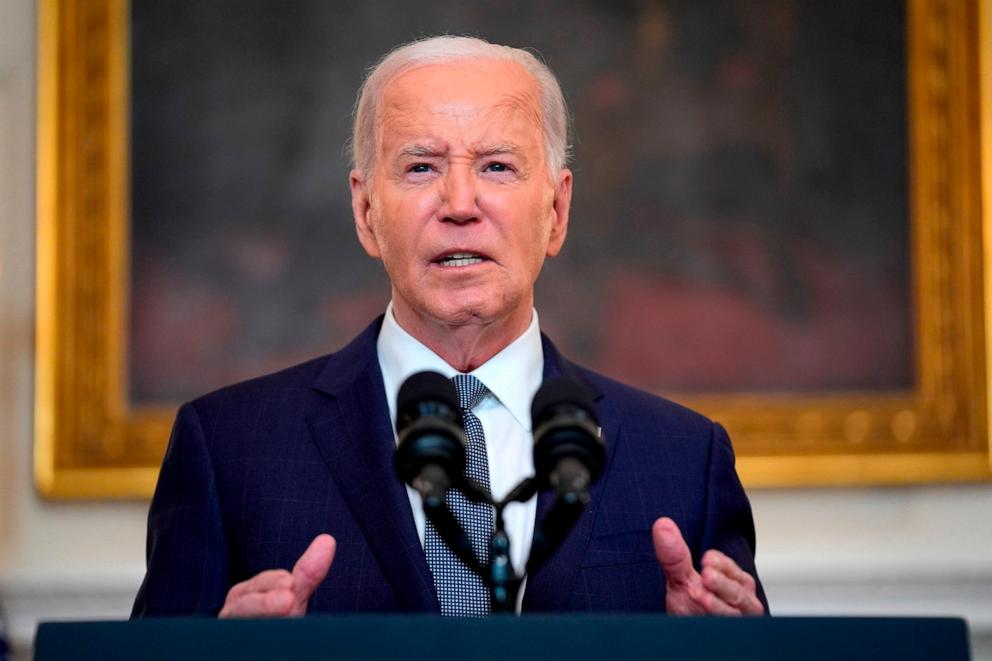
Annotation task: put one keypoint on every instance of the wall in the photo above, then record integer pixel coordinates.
(55, 558)
(919, 550)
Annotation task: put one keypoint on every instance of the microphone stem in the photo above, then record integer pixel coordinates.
(504, 584)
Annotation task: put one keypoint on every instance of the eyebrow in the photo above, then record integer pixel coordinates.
(424, 151)
(420, 151)
(500, 148)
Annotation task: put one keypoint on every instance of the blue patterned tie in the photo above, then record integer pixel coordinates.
(460, 591)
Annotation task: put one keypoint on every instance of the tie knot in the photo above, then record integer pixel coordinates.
(470, 390)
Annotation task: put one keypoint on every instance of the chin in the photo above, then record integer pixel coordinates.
(464, 315)
(462, 310)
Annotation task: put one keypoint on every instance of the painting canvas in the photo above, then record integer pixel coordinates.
(740, 221)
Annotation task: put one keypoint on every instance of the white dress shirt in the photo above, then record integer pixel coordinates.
(512, 377)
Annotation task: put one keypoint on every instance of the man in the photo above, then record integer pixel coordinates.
(460, 188)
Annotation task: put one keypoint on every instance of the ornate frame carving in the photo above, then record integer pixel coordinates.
(90, 443)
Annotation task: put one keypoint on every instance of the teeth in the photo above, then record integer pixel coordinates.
(461, 259)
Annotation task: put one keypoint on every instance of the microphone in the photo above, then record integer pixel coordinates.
(430, 455)
(569, 452)
(431, 451)
(568, 456)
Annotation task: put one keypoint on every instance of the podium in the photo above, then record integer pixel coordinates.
(504, 638)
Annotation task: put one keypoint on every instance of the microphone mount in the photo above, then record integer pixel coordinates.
(430, 457)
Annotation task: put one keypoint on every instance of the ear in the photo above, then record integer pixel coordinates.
(560, 207)
(361, 208)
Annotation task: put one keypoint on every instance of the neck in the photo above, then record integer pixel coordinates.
(464, 346)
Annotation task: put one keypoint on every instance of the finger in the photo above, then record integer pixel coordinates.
(724, 563)
(273, 579)
(714, 605)
(753, 606)
(312, 568)
(739, 589)
(672, 552)
(273, 603)
(731, 592)
(728, 590)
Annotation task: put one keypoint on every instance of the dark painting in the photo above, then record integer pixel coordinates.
(740, 220)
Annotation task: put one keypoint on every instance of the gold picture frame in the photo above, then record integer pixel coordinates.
(91, 444)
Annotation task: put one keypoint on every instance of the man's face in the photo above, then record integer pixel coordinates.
(460, 206)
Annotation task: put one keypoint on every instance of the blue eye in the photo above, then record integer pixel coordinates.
(420, 168)
(498, 167)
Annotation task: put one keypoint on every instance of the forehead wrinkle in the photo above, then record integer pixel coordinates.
(524, 103)
(400, 114)
(405, 117)
(397, 117)
(516, 104)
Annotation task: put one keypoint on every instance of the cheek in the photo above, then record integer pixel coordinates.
(408, 213)
(539, 229)
(399, 222)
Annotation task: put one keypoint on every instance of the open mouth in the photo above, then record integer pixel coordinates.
(458, 259)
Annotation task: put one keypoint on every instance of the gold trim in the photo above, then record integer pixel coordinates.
(102, 483)
(91, 444)
(985, 90)
(44, 415)
(82, 422)
(853, 470)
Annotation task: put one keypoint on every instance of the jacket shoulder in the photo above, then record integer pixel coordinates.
(291, 387)
(631, 405)
(648, 409)
(282, 384)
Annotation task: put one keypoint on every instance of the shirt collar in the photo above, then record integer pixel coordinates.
(513, 375)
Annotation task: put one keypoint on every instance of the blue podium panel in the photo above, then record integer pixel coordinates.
(576, 638)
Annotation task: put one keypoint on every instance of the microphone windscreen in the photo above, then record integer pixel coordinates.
(426, 387)
(428, 427)
(558, 391)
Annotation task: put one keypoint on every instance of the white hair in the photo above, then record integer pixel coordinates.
(434, 50)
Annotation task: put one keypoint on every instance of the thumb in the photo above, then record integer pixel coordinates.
(672, 552)
(312, 568)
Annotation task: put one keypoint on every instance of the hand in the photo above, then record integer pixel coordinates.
(279, 593)
(722, 589)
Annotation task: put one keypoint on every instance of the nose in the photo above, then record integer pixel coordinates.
(460, 201)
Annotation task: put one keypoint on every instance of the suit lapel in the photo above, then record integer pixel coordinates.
(351, 428)
(551, 586)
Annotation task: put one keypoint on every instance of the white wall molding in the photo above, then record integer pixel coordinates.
(884, 590)
(918, 593)
(30, 597)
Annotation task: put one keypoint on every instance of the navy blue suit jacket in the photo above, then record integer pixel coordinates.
(255, 471)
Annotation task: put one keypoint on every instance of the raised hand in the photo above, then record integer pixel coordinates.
(279, 593)
(722, 588)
